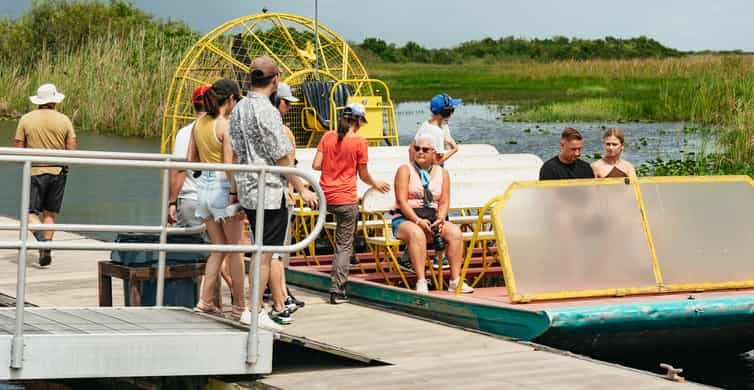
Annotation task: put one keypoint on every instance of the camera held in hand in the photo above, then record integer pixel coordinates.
(437, 240)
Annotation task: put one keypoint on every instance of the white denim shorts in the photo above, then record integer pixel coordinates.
(212, 196)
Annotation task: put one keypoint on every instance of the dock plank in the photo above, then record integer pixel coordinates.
(424, 354)
(71, 281)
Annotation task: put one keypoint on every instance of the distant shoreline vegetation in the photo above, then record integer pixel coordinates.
(115, 63)
(509, 48)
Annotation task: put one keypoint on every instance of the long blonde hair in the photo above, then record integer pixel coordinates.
(614, 132)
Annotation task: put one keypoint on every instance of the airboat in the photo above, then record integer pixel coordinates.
(594, 266)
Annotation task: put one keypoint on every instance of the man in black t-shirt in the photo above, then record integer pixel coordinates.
(567, 164)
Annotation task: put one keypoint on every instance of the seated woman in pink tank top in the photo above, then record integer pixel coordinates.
(422, 195)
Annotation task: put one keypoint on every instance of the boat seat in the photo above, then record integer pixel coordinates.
(374, 129)
(466, 195)
(316, 114)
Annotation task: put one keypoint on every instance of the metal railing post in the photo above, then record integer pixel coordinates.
(160, 299)
(252, 350)
(17, 344)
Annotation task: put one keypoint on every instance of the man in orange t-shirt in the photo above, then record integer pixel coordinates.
(341, 155)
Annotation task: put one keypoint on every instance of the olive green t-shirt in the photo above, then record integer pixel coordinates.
(44, 129)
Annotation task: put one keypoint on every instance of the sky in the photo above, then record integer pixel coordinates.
(681, 24)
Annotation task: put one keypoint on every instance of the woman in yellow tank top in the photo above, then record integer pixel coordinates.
(210, 143)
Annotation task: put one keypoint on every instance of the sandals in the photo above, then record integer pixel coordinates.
(207, 308)
(236, 312)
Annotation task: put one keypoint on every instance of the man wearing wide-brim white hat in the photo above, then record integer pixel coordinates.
(46, 128)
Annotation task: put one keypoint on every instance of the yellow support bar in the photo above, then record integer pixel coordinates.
(502, 250)
(648, 234)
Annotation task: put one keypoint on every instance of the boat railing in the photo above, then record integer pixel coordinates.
(165, 163)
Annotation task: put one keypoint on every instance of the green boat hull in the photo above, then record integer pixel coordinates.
(519, 324)
(710, 324)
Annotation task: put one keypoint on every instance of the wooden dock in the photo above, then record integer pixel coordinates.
(71, 281)
(424, 354)
(419, 353)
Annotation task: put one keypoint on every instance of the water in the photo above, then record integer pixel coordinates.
(96, 195)
(480, 123)
(118, 196)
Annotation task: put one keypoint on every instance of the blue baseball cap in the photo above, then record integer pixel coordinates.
(356, 109)
(442, 100)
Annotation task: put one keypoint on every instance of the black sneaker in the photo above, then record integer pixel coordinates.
(267, 295)
(404, 262)
(40, 235)
(45, 258)
(336, 298)
(298, 302)
(290, 304)
(283, 317)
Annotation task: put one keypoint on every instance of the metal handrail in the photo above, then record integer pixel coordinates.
(88, 154)
(76, 227)
(139, 160)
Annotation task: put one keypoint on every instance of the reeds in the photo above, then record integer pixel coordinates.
(716, 91)
(112, 85)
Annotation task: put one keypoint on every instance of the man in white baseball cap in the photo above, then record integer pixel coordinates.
(45, 128)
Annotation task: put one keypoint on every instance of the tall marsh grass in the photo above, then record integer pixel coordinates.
(715, 91)
(113, 85)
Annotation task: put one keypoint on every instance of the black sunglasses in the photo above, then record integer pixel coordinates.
(423, 149)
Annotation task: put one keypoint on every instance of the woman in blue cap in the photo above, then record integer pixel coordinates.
(442, 107)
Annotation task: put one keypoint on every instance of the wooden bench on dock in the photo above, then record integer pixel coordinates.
(135, 275)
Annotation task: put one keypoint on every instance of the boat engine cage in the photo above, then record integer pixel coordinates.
(305, 52)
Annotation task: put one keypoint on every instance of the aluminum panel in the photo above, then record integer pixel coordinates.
(703, 231)
(576, 238)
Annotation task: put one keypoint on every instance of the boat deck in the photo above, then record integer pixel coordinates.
(498, 296)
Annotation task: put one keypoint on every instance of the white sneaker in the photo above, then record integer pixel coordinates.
(264, 321)
(421, 286)
(465, 288)
(245, 317)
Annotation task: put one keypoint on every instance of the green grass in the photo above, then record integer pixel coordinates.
(112, 85)
(704, 89)
(711, 90)
(118, 85)
(583, 110)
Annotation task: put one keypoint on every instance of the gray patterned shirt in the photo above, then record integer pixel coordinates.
(256, 120)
